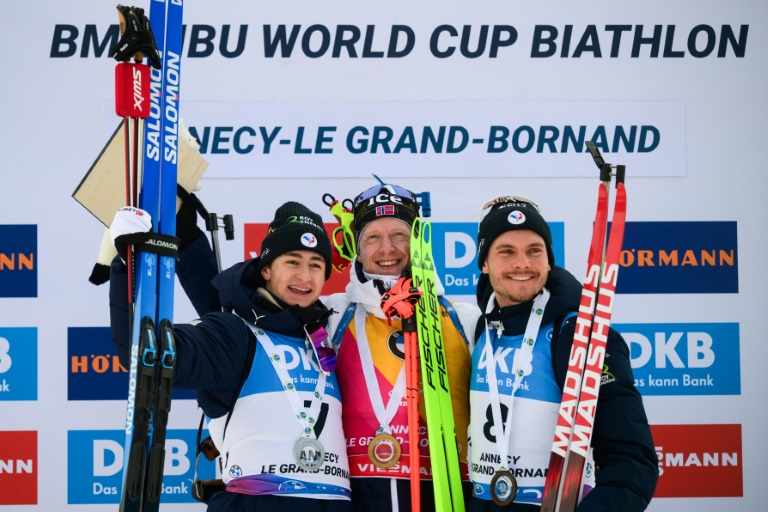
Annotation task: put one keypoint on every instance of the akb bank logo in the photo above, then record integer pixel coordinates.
(95, 466)
(18, 261)
(95, 372)
(679, 257)
(698, 461)
(684, 359)
(18, 468)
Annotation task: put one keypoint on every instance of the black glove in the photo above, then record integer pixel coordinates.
(187, 230)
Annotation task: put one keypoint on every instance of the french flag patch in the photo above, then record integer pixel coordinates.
(385, 210)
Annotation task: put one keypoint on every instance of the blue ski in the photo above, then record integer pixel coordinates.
(152, 346)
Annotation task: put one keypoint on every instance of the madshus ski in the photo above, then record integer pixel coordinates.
(443, 449)
(576, 417)
(152, 352)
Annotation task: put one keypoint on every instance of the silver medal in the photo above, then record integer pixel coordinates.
(309, 454)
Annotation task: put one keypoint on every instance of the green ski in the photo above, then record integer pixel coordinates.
(443, 451)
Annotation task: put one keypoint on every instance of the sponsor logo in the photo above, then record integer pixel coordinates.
(679, 257)
(516, 217)
(684, 359)
(395, 344)
(95, 471)
(18, 260)
(94, 370)
(18, 468)
(18, 363)
(698, 461)
(308, 240)
(442, 41)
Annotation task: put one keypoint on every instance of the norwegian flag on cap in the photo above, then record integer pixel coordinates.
(388, 209)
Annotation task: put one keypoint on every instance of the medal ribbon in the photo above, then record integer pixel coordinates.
(383, 416)
(306, 417)
(522, 357)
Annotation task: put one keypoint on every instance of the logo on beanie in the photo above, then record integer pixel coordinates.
(308, 240)
(385, 210)
(516, 217)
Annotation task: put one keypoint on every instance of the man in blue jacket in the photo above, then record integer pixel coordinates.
(528, 328)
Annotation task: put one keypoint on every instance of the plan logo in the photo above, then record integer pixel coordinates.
(254, 234)
(454, 248)
(699, 461)
(18, 468)
(684, 359)
(95, 466)
(18, 363)
(679, 257)
(94, 369)
(18, 261)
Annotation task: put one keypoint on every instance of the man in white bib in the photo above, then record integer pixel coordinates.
(519, 364)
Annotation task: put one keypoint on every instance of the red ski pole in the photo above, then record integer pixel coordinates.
(401, 301)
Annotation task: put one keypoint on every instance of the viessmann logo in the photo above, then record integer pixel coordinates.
(698, 461)
(18, 467)
(679, 257)
(18, 261)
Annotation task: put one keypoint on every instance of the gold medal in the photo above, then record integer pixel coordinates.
(384, 451)
(503, 488)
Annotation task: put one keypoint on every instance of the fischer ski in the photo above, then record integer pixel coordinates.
(576, 417)
(443, 450)
(152, 352)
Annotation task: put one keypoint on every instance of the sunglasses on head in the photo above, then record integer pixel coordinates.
(394, 190)
(488, 206)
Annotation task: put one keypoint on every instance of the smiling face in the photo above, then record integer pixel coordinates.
(384, 247)
(296, 277)
(517, 266)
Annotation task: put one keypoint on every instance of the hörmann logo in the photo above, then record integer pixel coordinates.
(95, 372)
(18, 260)
(679, 257)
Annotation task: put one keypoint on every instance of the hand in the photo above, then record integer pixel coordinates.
(130, 226)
